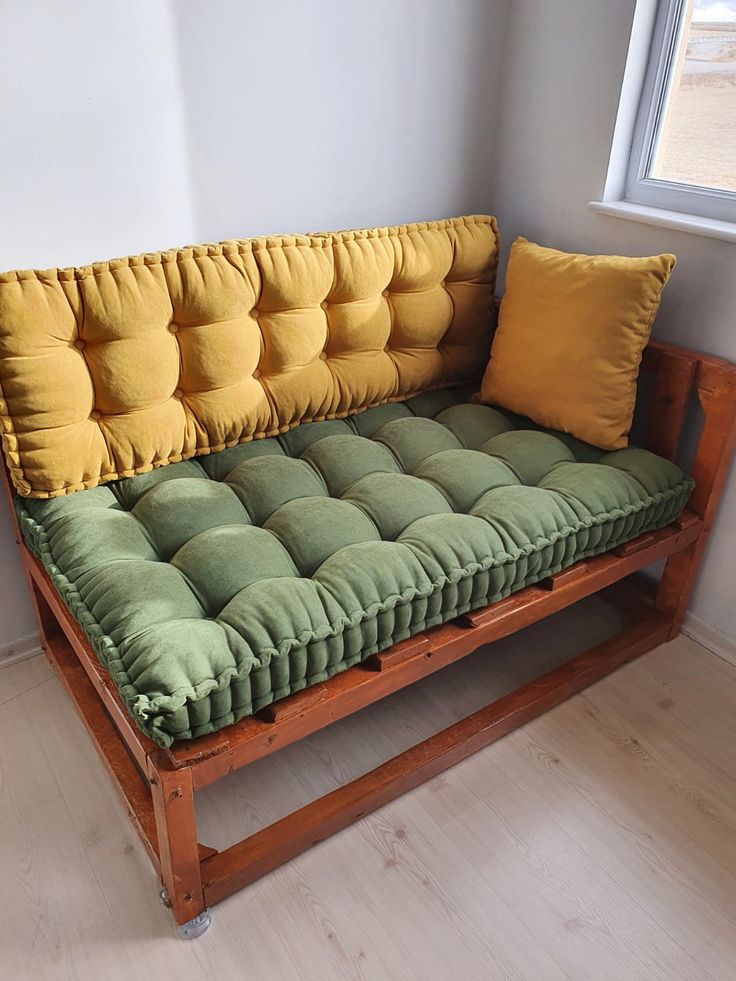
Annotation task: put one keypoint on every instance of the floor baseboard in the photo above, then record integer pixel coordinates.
(19, 650)
(712, 639)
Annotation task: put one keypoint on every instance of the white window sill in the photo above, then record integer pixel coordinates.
(709, 227)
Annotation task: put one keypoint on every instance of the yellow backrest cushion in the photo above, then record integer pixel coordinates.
(570, 337)
(116, 368)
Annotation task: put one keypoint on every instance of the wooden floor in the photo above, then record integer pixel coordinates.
(597, 843)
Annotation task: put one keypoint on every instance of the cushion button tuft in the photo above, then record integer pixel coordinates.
(257, 373)
(79, 344)
(385, 293)
(95, 414)
(178, 394)
(324, 304)
(255, 313)
(323, 355)
(173, 328)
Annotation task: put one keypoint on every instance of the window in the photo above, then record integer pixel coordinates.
(683, 153)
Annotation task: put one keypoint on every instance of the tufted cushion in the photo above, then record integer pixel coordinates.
(124, 366)
(578, 324)
(212, 587)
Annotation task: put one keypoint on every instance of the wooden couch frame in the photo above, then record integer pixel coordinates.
(158, 786)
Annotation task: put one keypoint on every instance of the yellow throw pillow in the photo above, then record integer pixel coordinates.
(570, 337)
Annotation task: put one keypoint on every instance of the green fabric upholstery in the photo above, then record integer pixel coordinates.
(211, 587)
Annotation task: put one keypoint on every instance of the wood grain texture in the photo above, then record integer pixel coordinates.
(179, 851)
(597, 841)
(674, 374)
(253, 857)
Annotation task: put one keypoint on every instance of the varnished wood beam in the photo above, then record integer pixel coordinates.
(253, 857)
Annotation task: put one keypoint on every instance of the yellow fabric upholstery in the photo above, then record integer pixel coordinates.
(116, 368)
(570, 336)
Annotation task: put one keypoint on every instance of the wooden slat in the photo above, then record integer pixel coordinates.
(412, 647)
(716, 388)
(656, 349)
(715, 383)
(635, 545)
(566, 576)
(246, 861)
(112, 750)
(487, 614)
(674, 376)
(685, 520)
(293, 705)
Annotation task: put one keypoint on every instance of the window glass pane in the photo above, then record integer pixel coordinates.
(697, 130)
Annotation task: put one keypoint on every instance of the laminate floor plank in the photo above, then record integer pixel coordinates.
(598, 842)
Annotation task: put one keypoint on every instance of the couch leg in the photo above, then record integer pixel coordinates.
(173, 806)
(676, 584)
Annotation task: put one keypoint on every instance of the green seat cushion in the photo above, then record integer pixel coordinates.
(209, 588)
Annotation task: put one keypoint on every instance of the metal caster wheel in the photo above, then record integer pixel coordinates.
(193, 928)
(196, 926)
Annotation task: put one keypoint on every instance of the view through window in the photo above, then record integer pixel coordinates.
(696, 137)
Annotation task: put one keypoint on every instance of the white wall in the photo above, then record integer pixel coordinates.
(143, 124)
(332, 114)
(562, 81)
(92, 160)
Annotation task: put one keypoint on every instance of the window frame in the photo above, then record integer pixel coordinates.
(705, 202)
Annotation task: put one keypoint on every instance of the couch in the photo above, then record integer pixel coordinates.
(255, 491)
